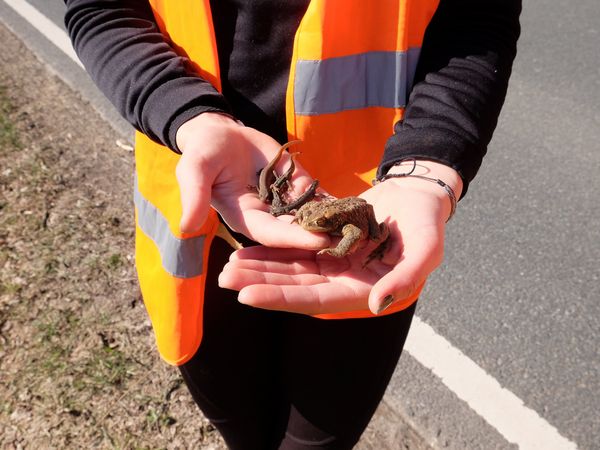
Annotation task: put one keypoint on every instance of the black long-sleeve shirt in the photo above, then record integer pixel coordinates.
(459, 87)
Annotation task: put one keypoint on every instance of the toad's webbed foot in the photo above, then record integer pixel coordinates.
(384, 239)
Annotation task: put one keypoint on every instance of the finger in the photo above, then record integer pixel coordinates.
(237, 278)
(408, 275)
(322, 298)
(301, 183)
(260, 252)
(270, 231)
(195, 196)
(394, 287)
(283, 267)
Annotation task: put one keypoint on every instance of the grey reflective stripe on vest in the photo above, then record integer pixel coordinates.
(354, 82)
(182, 258)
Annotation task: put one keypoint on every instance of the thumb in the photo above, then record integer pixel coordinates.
(406, 279)
(195, 191)
(400, 284)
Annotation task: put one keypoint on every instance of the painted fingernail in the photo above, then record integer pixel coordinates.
(387, 301)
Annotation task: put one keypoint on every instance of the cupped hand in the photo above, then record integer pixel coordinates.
(303, 281)
(219, 165)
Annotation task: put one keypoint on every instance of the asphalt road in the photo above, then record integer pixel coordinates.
(519, 293)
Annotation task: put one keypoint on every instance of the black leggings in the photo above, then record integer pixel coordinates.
(268, 379)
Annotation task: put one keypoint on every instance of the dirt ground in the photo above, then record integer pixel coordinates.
(78, 368)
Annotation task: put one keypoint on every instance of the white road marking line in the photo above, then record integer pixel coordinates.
(498, 406)
(53, 33)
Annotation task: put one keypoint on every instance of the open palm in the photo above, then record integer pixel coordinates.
(220, 161)
(305, 282)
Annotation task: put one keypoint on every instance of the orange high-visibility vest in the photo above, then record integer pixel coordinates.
(351, 72)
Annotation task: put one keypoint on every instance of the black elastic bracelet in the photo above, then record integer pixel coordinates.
(437, 181)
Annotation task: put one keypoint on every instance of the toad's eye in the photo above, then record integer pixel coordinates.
(322, 221)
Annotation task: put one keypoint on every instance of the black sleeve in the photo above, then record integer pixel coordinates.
(460, 86)
(123, 50)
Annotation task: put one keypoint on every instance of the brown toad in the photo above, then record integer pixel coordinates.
(350, 217)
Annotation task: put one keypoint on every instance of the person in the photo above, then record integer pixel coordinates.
(282, 347)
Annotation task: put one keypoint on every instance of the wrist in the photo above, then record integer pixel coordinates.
(430, 169)
(438, 180)
(208, 122)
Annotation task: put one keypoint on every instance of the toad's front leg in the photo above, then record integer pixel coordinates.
(352, 235)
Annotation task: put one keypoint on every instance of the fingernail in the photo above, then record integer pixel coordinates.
(387, 301)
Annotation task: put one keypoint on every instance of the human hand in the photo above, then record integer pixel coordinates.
(302, 281)
(220, 159)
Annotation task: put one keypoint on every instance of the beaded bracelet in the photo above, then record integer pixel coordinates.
(437, 181)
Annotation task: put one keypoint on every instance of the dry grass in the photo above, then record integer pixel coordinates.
(77, 357)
